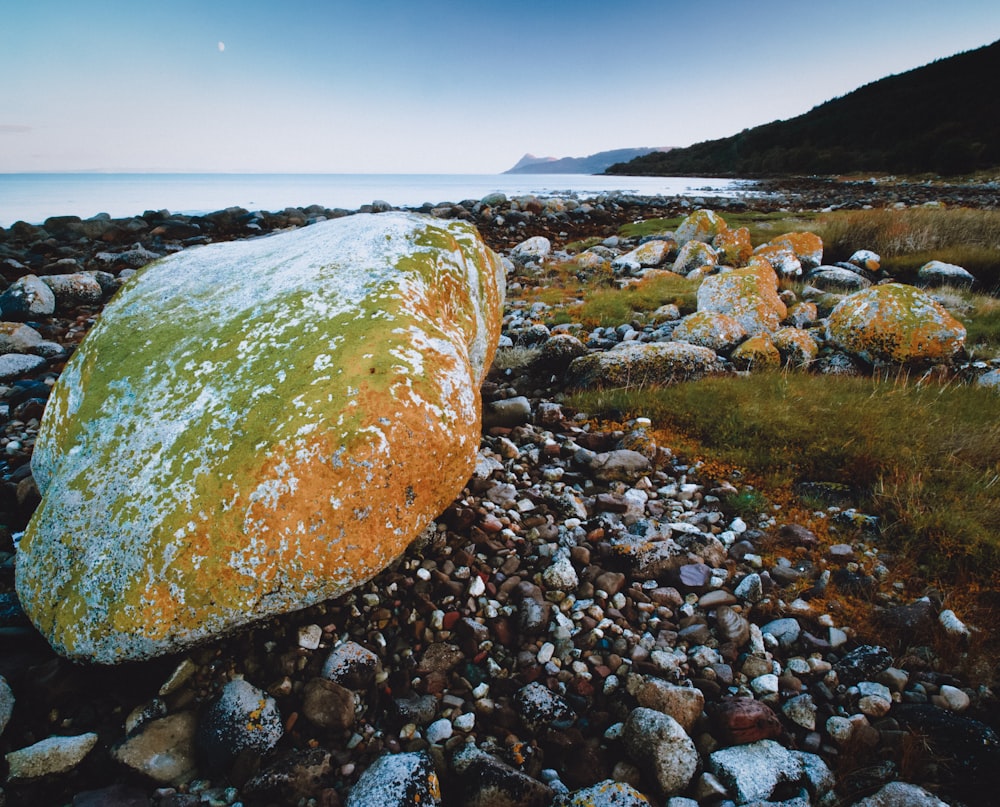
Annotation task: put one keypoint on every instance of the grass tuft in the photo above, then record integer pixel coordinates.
(612, 307)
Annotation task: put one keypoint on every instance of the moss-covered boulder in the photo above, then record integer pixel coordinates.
(695, 255)
(808, 247)
(748, 295)
(895, 323)
(636, 364)
(257, 426)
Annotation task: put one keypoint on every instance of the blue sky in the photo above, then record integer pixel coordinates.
(432, 87)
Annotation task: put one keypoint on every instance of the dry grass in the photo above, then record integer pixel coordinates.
(906, 239)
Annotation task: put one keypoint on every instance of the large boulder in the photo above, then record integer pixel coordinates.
(748, 295)
(939, 273)
(895, 323)
(710, 329)
(256, 426)
(702, 225)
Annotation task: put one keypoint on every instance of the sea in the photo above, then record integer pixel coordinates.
(34, 197)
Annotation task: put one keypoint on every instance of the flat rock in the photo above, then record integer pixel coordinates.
(297, 407)
(752, 772)
(636, 364)
(52, 755)
(162, 749)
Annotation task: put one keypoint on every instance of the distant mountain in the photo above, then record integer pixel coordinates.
(942, 118)
(594, 164)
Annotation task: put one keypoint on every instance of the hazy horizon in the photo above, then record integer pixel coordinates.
(432, 88)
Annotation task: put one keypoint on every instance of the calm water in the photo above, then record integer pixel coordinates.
(35, 197)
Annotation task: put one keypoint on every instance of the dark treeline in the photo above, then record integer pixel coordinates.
(942, 118)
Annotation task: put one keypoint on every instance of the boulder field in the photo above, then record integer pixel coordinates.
(257, 426)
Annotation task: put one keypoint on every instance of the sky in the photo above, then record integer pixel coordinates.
(423, 86)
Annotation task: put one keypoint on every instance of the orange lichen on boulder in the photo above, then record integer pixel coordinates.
(895, 323)
(257, 426)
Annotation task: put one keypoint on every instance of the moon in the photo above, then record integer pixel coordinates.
(222, 47)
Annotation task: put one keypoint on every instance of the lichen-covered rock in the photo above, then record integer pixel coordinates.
(483, 780)
(694, 255)
(895, 323)
(752, 772)
(710, 329)
(747, 295)
(256, 426)
(50, 756)
(702, 225)
(796, 346)
(608, 793)
(939, 273)
(397, 780)
(757, 353)
(802, 314)
(650, 254)
(782, 258)
(241, 718)
(734, 246)
(77, 288)
(638, 364)
(837, 278)
(26, 298)
(808, 247)
(536, 248)
(866, 259)
(16, 337)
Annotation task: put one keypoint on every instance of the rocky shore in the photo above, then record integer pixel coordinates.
(584, 625)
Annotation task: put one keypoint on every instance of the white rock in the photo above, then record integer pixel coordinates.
(439, 731)
(839, 728)
(765, 684)
(955, 699)
(310, 636)
(753, 771)
(659, 744)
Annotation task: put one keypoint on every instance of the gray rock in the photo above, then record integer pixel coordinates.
(901, 794)
(6, 703)
(539, 707)
(837, 278)
(939, 273)
(990, 380)
(14, 365)
(533, 249)
(659, 744)
(508, 412)
(752, 772)
(485, 781)
(608, 794)
(862, 664)
(241, 718)
(162, 749)
(52, 755)
(635, 364)
(27, 298)
(15, 337)
(621, 465)
(352, 665)
(74, 289)
(786, 630)
(112, 796)
(397, 780)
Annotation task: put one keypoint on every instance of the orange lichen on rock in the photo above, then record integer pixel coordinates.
(257, 426)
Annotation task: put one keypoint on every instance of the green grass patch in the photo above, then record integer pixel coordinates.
(612, 307)
(576, 247)
(924, 457)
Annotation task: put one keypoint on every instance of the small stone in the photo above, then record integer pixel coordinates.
(901, 794)
(162, 749)
(765, 684)
(801, 710)
(15, 365)
(750, 589)
(352, 665)
(744, 720)
(327, 704)
(862, 663)
(608, 793)
(52, 755)
(683, 703)
(465, 722)
(439, 731)
(955, 699)
(310, 636)
(786, 630)
(839, 729)
(539, 707)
